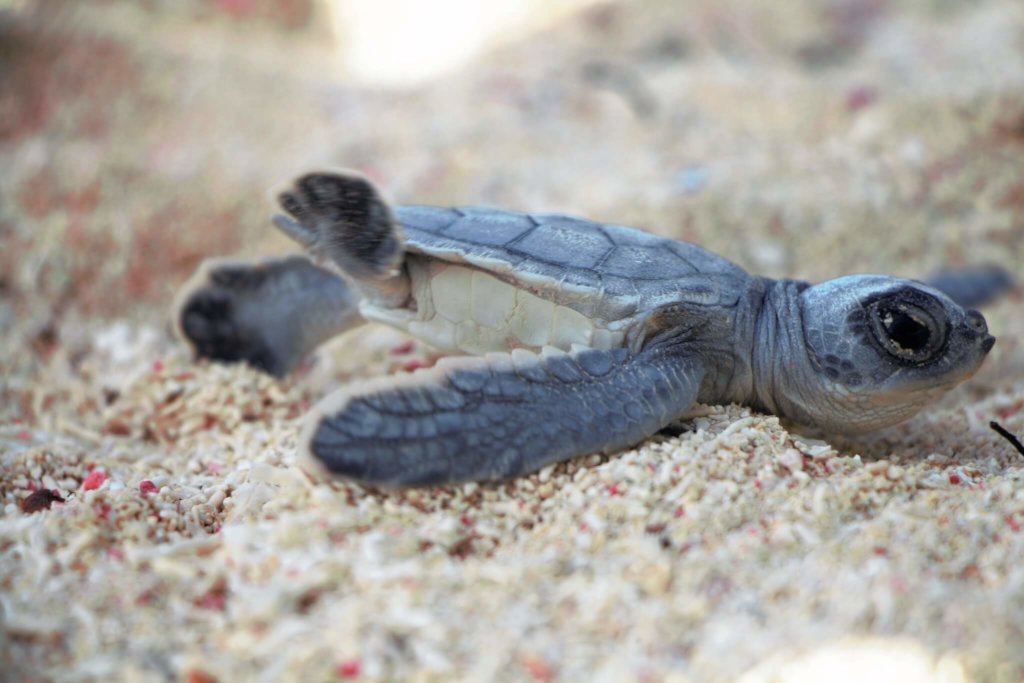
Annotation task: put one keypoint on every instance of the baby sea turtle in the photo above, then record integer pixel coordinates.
(583, 337)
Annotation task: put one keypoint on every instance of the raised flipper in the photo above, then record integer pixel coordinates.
(269, 314)
(974, 286)
(342, 216)
(498, 416)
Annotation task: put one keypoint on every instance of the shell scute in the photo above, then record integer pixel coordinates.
(492, 228)
(647, 263)
(600, 270)
(564, 245)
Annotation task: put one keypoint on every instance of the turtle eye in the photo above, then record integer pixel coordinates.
(909, 330)
(906, 331)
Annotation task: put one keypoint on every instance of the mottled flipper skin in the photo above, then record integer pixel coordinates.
(269, 315)
(499, 415)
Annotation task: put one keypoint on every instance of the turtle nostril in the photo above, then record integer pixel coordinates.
(976, 321)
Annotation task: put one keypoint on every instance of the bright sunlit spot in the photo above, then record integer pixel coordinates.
(405, 41)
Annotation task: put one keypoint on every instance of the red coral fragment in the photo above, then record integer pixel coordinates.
(954, 479)
(40, 500)
(146, 486)
(116, 427)
(199, 676)
(94, 480)
(104, 511)
(538, 669)
(1005, 413)
(348, 669)
(860, 98)
(403, 349)
(238, 8)
(212, 601)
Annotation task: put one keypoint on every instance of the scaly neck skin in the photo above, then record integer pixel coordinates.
(782, 379)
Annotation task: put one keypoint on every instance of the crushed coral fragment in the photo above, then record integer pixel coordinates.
(94, 480)
(40, 500)
(199, 676)
(348, 669)
(414, 365)
(403, 349)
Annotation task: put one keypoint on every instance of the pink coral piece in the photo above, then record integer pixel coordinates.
(94, 480)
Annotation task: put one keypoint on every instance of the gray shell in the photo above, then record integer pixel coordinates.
(605, 271)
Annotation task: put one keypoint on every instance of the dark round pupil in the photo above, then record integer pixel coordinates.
(905, 331)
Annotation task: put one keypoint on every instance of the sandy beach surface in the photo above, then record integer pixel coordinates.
(152, 524)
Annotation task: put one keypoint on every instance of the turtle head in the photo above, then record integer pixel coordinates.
(880, 348)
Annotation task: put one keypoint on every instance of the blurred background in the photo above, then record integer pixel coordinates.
(798, 138)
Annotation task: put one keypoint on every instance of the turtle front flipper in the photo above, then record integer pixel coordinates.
(498, 416)
(973, 286)
(269, 315)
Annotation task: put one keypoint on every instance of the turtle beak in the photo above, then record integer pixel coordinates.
(979, 328)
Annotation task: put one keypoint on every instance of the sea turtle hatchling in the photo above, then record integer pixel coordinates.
(583, 337)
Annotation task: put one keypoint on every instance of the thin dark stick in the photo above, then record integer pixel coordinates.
(1014, 441)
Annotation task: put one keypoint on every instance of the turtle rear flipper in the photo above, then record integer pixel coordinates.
(498, 416)
(973, 286)
(269, 315)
